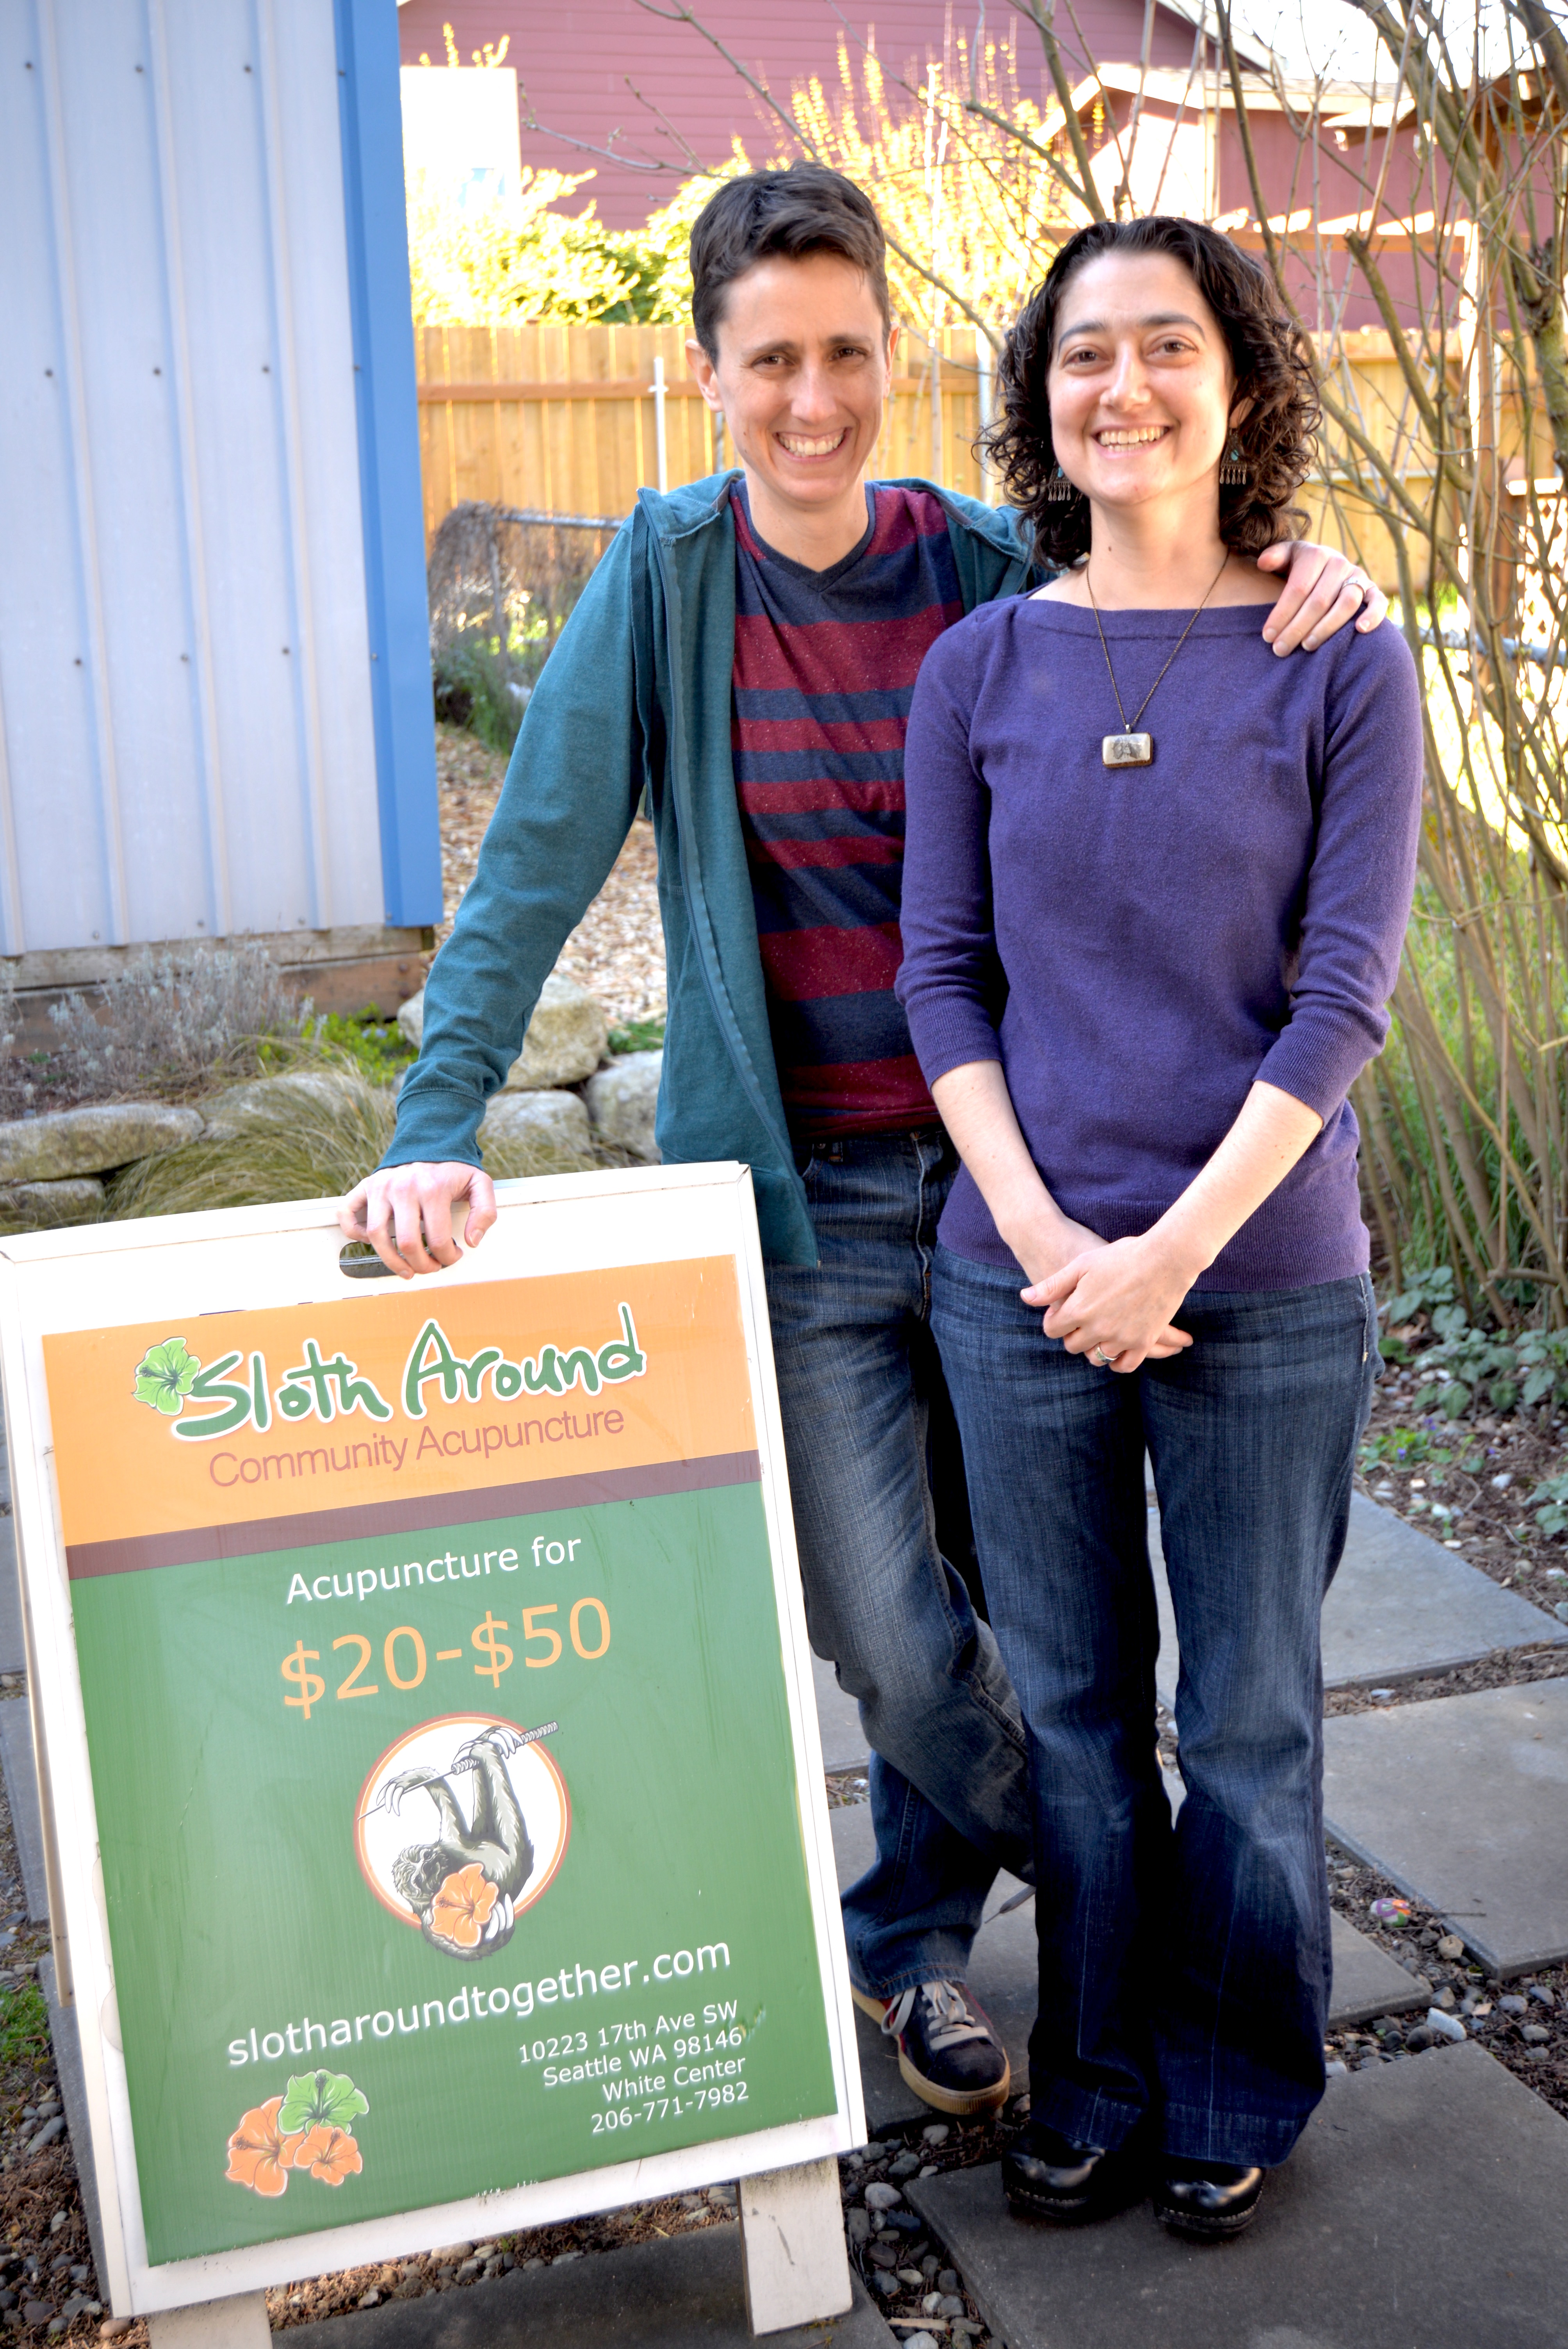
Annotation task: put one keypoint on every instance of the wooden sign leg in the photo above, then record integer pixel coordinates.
(237, 2323)
(792, 2245)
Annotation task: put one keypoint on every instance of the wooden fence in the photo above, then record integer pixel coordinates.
(564, 419)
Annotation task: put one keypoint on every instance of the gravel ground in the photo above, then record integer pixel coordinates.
(49, 2290)
(846, 1786)
(1523, 2022)
(1506, 1668)
(906, 2273)
(617, 950)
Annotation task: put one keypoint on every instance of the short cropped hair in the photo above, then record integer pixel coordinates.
(1270, 359)
(805, 209)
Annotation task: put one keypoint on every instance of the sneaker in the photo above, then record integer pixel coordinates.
(947, 2051)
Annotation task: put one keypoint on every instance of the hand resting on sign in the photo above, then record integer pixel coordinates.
(407, 1214)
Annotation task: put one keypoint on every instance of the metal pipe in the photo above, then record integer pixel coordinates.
(1457, 641)
(661, 455)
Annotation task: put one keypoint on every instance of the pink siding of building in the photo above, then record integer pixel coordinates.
(573, 58)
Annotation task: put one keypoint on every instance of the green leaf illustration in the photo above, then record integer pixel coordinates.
(327, 2099)
(165, 1376)
(343, 2102)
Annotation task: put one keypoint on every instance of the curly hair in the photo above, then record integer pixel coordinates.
(1269, 358)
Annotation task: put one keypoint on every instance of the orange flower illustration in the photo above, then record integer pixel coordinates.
(260, 2156)
(329, 2153)
(461, 1907)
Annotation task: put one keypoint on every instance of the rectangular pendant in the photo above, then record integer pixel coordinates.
(1127, 749)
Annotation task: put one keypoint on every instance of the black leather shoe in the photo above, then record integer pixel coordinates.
(1209, 2200)
(1045, 2176)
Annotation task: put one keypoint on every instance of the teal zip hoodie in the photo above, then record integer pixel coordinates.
(636, 696)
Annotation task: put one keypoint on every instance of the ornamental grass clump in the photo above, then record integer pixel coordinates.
(311, 1133)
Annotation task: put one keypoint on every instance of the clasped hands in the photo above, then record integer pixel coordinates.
(1109, 1298)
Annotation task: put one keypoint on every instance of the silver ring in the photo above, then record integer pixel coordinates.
(1101, 1357)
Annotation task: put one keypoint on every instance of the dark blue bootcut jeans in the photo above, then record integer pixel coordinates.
(860, 1385)
(1185, 1970)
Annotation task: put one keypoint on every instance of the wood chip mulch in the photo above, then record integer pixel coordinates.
(617, 950)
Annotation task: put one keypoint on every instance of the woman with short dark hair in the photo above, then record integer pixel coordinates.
(1155, 888)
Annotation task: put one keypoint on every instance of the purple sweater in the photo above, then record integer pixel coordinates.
(1165, 934)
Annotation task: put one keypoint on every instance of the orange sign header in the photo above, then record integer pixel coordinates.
(230, 1418)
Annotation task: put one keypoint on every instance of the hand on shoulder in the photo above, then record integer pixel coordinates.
(1322, 592)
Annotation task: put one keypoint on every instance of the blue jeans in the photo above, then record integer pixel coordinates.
(1185, 1970)
(858, 1373)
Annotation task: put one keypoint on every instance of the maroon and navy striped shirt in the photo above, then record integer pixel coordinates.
(825, 664)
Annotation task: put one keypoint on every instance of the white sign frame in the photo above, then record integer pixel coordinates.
(100, 1274)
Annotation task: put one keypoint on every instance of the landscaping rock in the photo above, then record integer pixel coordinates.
(49, 1206)
(567, 1039)
(89, 1141)
(621, 1100)
(565, 1043)
(262, 1100)
(536, 1133)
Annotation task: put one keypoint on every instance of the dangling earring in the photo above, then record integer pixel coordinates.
(1233, 467)
(1058, 489)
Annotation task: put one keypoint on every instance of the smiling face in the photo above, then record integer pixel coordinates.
(1141, 382)
(804, 366)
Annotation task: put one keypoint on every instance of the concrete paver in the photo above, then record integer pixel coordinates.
(1400, 1606)
(683, 2294)
(1463, 1802)
(1423, 2208)
(21, 1769)
(844, 1743)
(13, 1648)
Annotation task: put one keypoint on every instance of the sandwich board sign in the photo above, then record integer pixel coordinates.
(438, 1832)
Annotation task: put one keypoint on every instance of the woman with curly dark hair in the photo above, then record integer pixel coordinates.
(1155, 888)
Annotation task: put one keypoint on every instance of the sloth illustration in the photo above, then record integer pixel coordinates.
(438, 1879)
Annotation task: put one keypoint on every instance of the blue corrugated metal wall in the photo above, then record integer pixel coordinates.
(188, 744)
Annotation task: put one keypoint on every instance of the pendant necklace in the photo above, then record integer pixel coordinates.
(1130, 749)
